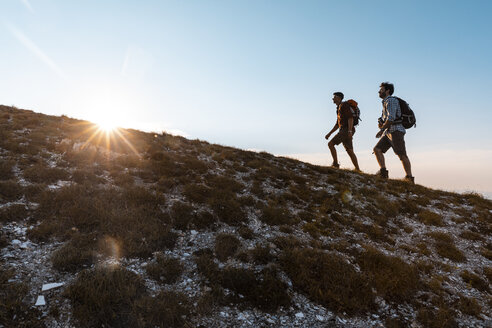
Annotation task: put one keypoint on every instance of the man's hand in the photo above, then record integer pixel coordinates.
(379, 134)
(327, 136)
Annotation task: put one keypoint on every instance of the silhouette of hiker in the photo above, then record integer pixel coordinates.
(392, 132)
(345, 122)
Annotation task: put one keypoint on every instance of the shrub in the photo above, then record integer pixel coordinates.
(15, 212)
(76, 253)
(475, 281)
(445, 247)
(441, 318)
(226, 246)
(469, 306)
(261, 254)
(106, 297)
(10, 190)
(13, 311)
(182, 215)
(328, 279)
(394, 279)
(430, 218)
(167, 309)
(42, 174)
(6, 172)
(246, 232)
(274, 215)
(165, 269)
(470, 235)
(267, 292)
(227, 209)
(197, 192)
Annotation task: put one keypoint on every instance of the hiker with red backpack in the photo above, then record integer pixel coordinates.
(347, 119)
(396, 117)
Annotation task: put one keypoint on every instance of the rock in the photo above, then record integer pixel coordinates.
(320, 317)
(40, 301)
(52, 285)
(16, 242)
(299, 315)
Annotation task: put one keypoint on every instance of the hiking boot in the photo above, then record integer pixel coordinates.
(410, 179)
(383, 173)
(335, 165)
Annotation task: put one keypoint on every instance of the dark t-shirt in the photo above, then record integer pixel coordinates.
(343, 114)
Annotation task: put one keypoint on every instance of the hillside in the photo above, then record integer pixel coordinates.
(153, 230)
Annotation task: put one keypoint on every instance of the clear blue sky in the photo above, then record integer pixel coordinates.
(260, 74)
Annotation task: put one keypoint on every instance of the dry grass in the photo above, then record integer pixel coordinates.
(393, 279)
(14, 311)
(10, 190)
(445, 247)
(165, 269)
(226, 246)
(329, 280)
(430, 218)
(106, 297)
(76, 254)
(475, 281)
(15, 212)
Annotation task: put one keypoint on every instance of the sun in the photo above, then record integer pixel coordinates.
(106, 125)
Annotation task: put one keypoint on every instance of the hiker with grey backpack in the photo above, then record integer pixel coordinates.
(396, 117)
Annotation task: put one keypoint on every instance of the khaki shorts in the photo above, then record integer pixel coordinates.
(343, 137)
(393, 140)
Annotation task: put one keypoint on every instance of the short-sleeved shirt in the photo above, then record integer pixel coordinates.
(344, 112)
(391, 111)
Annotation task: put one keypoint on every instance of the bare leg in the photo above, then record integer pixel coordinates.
(406, 165)
(380, 158)
(333, 152)
(351, 153)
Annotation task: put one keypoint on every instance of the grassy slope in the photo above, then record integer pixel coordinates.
(261, 229)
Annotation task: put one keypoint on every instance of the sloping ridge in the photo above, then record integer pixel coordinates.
(149, 230)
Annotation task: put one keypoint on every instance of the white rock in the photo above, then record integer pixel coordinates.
(193, 232)
(52, 285)
(186, 254)
(16, 242)
(320, 317)
(40, 301)
(299, 315)
(241, 316)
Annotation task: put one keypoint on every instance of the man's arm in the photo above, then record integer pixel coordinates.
(332, 130)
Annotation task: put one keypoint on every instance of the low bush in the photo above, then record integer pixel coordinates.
(393, 279)
(445, 247)
(14, 312)
(226, 246)
(43, 174)
(77, 253)
(469, 306)
(106, 297)
(430, 218)
(167, 309)
(261, 254)
(475, 281)
(6, 172)
(10, 190)
(165, 269)
(328, 279)
(15, 212)
(444, 317)
(275, 215)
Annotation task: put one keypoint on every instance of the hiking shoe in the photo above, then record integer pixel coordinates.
(335, 165)
(410, 179)
(383, 173)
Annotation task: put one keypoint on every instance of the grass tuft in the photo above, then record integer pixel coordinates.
(165, 269)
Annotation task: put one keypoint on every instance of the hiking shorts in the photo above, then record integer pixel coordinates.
(393, 140)
(343, 137)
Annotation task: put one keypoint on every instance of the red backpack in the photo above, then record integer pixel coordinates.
(354, 107)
